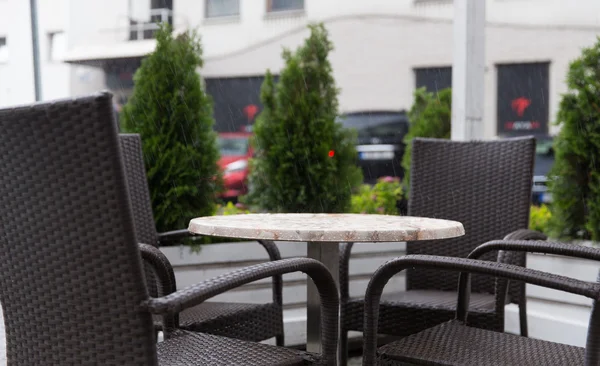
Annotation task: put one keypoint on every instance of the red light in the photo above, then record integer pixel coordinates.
(331, 153)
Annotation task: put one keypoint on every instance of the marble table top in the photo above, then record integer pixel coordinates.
(326, 227)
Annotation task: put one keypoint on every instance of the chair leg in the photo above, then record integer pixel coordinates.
(523, 318)
(280, 340)
(343, 346)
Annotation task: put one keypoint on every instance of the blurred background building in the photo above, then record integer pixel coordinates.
(384, 49)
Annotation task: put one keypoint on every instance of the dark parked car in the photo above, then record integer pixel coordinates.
(380, 146)
(544, 158)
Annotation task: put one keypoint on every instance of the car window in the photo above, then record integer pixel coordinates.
(388, 129)
(233, 146)
(543, 163)
(376, 125)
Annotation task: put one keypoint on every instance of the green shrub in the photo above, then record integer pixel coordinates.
(539, 218)
(429, 116)
(382, 198)
(575, 176)
(173, 115)
(231, 209)
(306, 161)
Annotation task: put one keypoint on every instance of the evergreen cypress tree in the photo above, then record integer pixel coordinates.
(575, 176)
(306, 161)
(429, 116)
(173, 115)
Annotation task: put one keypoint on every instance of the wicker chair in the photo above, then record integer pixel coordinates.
(251, 322)
(487, 187)
(72, 286)
(456, 343)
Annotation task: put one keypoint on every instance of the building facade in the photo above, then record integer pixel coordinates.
(384, 49)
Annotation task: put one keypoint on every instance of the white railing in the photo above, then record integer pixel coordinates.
(164, 15)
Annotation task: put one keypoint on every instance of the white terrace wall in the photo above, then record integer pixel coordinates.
(553, 315)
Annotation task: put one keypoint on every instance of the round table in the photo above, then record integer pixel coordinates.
(323, 233)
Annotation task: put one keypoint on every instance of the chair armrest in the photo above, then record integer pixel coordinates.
(274, 255)
(522, 234)
(510, 272)
(200, 292)
(175, 235)
(531, 246)
(536, 246)
(516, 290)
(164, 274)
(161, 266)
(526, 234)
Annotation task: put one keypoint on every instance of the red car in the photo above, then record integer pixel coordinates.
(235, 152)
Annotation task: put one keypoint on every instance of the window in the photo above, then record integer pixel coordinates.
(236, 101)
(3, 50)
(57, 45)
(434, 79)
(284, 5)
(146, 15)
(523, 92)
(222, 8)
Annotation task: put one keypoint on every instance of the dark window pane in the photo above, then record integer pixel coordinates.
(236, 102)
(222, 8)
(434, 79)
(161, 4)
(523, 99)
(279, 5)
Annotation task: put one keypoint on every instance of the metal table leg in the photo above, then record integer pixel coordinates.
(329, 255)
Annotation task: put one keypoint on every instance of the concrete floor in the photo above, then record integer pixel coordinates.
(355, 361)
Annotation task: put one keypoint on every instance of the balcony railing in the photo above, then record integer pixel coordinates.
(146, 30)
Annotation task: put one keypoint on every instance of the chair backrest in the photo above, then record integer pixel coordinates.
(135, 171)
(72, 280)
(486, 185)
(139, 192)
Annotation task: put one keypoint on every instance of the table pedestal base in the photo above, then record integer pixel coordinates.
(329, 255)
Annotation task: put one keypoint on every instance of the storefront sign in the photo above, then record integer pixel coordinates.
(523, 99)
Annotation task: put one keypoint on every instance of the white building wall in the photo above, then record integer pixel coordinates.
(53, 17)
(377, 43)
(16, 74)
(377, 46)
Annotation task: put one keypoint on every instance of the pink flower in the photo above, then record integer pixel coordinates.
(390, 179)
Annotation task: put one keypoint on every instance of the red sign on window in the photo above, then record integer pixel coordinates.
(523, 99)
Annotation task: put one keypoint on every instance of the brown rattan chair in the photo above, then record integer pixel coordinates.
(72, 287)
(455, 342)
(487, 187)
(251, 322)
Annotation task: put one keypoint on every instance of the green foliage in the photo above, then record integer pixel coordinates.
(429, 116)
(539, 218)
(382, 198)
(295, 133)
(173, 115)
(575, 176)
(231, 209)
